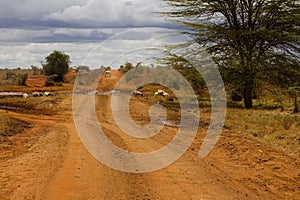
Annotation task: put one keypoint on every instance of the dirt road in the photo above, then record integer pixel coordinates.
(58, 166)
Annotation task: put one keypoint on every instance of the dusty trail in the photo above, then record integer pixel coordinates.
(58, 166)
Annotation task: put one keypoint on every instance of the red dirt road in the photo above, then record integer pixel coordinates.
(58, 166)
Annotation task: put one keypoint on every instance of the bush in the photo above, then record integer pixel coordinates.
(59, 84)
(10, 75)
(49, 82)
(22, 79)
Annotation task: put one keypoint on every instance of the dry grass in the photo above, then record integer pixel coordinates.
(265, 122)
(279, 129)
(32, 105)
(35, 82)
(10, 126)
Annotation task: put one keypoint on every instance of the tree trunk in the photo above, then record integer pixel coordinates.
(296, 108)
(59, 78)
(248, 89)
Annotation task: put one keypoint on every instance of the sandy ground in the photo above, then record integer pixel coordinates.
(54, 164)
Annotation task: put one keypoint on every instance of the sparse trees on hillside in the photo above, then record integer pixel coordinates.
(248, 39)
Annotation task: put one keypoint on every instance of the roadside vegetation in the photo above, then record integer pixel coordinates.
(272, 127)
(32, 105)
(10, 126)
(271, 120)
(271, 109)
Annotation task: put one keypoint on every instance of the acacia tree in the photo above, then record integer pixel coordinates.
(248, 39)
(57, 65)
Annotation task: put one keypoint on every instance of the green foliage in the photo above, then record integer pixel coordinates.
(59, 84)
(249, 40)
(57, 63)
(49, 82)
(128, 66)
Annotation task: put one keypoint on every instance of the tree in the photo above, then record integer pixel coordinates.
(289, 79)
(248, 39)
(295, 93)
(34, 69)
(128, 66)
(57, 65)
(121, 68)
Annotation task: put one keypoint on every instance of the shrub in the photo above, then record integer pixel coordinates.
(22, 79)
(59, 84)
(49, 82)
(10, 75)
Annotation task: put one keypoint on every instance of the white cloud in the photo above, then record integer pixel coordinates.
(108, 13)
(33, 9)
(134, 45)
(31, 29)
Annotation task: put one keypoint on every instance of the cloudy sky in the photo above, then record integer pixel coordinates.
(99, 30)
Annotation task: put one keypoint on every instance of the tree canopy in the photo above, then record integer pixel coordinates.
(128, 66)
(57, 64)
(250, 40)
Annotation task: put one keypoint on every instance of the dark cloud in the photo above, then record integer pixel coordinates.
(80, 13)
(26, 25)
(128, 3)
(43, 16)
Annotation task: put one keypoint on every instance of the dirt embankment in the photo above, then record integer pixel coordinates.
(56, 165)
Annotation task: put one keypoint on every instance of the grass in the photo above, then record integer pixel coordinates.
(266, 122)
(15, 88)
(279, 129)
(32, 105)
(35, 82)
